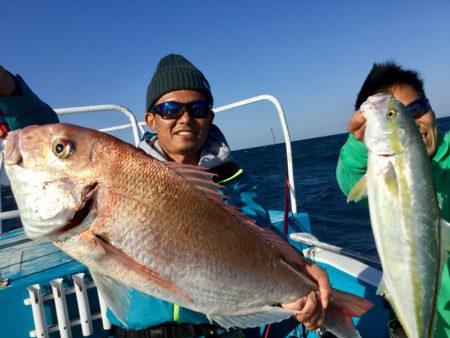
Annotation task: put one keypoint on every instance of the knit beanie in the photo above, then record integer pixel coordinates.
(174, 72)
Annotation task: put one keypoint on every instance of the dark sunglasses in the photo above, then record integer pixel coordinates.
(418, 107)
(174, 110)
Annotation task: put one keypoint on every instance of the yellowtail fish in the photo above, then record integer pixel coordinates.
(411, 239)
(162, 229)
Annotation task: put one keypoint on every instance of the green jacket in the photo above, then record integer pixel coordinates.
(352, 165)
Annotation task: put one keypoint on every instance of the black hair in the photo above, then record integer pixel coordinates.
(384, 75)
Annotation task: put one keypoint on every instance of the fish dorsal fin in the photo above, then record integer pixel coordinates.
(289, 254)
(359, 190)
(286, 251)
(200, 178)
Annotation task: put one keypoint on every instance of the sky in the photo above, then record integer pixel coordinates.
(311, 55)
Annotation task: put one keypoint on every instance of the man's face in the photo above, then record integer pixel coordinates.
(426, 123)
(181, 138)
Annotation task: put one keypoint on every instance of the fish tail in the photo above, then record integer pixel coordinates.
(338, 316)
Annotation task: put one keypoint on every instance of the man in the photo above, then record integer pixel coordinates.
(407, 87)
(179, 102)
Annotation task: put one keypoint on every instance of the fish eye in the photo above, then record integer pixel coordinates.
(391, 114)
(62, 148)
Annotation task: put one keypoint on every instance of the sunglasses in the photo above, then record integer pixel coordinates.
(418, 107)
(174, 110)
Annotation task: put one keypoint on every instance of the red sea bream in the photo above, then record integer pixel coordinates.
(162, 229)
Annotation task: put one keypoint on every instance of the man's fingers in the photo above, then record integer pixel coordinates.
(296, 305)
(321, 277)
(312, 315)
(325, 291)
(356, 121)
(357, 125)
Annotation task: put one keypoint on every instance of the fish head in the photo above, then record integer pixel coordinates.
(52, 174)
(389, 128)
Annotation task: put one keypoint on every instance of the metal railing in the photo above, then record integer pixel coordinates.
(287, 138)
(107, 107)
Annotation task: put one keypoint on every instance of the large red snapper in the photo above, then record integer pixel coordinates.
(161, 229)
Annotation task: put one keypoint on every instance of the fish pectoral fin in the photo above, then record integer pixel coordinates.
(115, 255)
(359, 190)
(93, 245)
(390, 179)
(115, 294)
(268, 314)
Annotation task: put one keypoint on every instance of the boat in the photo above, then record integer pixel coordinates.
(45, 293)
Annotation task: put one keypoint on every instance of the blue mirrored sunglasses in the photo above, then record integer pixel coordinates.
(418, 107)
(174, 110)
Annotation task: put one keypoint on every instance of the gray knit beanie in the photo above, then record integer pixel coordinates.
(173, 73)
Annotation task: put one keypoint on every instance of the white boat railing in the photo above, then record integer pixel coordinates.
(107, 107)
(138, 130)
(64, 322)
(287, 138)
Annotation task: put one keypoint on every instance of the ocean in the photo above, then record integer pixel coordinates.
(333, 220)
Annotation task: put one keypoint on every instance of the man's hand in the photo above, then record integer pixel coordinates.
(357, 125)
(313, 306)
(8, 85)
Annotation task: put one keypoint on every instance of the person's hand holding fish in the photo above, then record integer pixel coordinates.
(313, 306)
(357, 125)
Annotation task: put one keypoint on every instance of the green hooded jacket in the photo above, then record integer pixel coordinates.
(352, 165)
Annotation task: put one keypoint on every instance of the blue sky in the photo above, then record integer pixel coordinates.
(312, 55)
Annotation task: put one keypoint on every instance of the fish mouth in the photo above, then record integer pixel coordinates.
(82, 213)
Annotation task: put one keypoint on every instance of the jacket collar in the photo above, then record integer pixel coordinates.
(214, 152)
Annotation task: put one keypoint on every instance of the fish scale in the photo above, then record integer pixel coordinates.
(167, 244)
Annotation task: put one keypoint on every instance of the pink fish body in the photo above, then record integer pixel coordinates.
(161, 229)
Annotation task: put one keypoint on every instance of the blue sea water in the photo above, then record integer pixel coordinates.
(333, 220)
